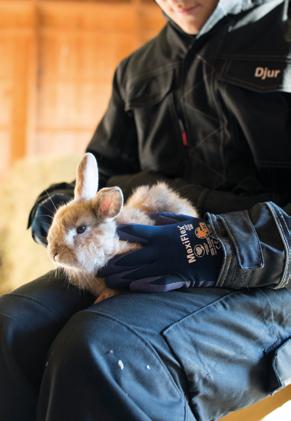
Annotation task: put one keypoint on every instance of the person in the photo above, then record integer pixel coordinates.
(205, 106)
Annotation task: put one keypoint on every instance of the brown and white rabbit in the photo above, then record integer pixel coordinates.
(83, 237)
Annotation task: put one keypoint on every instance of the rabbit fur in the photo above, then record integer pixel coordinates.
(83, 238)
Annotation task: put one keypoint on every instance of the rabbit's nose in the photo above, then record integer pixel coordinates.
(54, 252)
(56, 256)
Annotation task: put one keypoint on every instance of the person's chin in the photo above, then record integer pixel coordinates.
(190, 27)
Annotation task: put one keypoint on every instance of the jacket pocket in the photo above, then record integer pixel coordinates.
(256, 247)
(261, 75)
(242, 233)
(151, 102)
(257, 92)
(148, 91)
(222, 349)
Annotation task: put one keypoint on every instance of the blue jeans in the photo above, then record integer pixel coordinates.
(192, 354)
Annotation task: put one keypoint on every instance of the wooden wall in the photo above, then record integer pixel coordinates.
(57, 63)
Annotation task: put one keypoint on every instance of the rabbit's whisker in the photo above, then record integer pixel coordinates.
(50, 198)
(49, 216)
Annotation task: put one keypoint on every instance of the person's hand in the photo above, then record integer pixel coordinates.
(179, 253)
(44, 214)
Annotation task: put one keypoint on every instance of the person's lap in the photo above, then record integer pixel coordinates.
(217, 344)
(211, 345)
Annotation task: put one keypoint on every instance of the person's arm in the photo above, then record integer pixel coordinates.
(201, 197)
(236, 250)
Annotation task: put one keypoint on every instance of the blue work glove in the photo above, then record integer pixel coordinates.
(179, 253)
(44, 214)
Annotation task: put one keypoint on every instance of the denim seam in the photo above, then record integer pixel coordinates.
(34, 301)
(272, 313)
(7, 316)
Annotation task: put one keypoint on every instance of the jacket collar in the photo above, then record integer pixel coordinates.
(224, 8)
(183, 41)
(229, 7)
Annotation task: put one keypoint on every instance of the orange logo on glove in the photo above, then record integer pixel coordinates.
(202, 231)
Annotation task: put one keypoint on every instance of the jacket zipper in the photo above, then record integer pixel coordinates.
(183, 132)
(180, 110)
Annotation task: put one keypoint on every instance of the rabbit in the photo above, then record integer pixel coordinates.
(83, 237)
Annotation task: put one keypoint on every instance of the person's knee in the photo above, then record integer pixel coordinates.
(104, 363)
(98, 355)
(26, 330)
(84, 337)
(78, 367)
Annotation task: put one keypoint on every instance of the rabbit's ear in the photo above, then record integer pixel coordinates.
(87, 178)
(108, 202)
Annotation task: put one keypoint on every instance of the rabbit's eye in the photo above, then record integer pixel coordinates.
(81, 229)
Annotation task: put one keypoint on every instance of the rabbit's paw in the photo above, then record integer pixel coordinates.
(105, 294)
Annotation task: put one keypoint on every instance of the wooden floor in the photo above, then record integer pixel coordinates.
(261, 409)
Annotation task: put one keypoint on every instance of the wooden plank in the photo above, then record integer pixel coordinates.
(15, 33)
(33, 80)
(19, 99)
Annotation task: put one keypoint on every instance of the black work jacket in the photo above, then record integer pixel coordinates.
(211, 115)
(213, 111)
